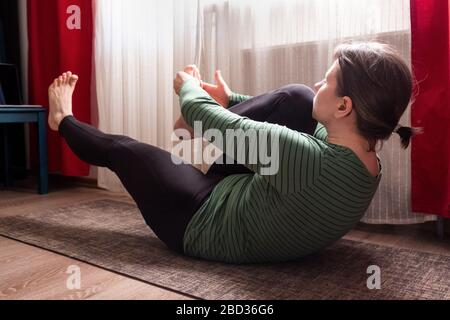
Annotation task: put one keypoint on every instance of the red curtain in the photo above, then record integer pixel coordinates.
(61, 39)
(431, 150)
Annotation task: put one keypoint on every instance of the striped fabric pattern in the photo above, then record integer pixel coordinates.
(320, 192)
(237, 98)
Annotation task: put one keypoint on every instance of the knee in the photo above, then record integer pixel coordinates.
(297, 108)
(300, 94)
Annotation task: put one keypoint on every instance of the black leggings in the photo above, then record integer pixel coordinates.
(168, 195)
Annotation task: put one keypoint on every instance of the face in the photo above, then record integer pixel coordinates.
(326, 102)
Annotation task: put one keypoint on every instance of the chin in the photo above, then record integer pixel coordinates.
(314, 114)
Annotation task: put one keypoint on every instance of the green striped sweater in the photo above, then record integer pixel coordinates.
(320, 192)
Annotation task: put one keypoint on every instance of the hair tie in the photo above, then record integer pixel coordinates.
(398, 127)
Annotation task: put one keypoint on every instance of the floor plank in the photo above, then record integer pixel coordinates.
(30, 273)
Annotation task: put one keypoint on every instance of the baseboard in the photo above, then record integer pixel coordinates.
(77, 181)
(91, 182)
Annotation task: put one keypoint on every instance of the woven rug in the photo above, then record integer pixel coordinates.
(113, 235)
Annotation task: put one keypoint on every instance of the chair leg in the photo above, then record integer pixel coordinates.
(7, 182)
(440, 227)
(42, 149)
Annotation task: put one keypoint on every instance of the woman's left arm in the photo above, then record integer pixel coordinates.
(288, 160)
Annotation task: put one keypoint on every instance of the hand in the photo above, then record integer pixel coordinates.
(193, 71)
(190, 72)
(180, 79)
(220, 91)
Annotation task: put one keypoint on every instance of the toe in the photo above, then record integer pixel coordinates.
(73, 80)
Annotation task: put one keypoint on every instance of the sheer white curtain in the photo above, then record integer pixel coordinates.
(263, 45)
(258, 45)
(137, 45)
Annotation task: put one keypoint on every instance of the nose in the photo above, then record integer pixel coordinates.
(317, 86)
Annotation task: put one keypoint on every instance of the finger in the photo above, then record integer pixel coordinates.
(219, 78)
(192, 72)
(175, 87)
(197, 74)
(207, 86)
(190, 69)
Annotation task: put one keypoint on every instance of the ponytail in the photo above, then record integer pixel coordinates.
(406, 133)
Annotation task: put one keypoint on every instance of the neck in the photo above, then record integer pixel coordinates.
(347, 138)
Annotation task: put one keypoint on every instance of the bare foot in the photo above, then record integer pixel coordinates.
(60, 97)
(181, 123)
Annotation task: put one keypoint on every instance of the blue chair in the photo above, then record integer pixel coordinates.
(27, 114)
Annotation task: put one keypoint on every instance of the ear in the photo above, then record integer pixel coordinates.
(345, 108)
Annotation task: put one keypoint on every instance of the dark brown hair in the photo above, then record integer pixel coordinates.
(380, 84)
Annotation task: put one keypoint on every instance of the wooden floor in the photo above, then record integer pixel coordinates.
(27, 272)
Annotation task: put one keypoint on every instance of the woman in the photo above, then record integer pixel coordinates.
(327, 177)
